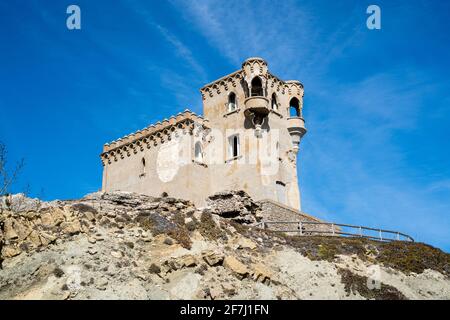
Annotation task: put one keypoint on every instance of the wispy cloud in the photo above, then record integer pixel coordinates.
(376, 103)
(239, 29)
(181, 49)
(353, 167)
(183, 52)
(286, 33)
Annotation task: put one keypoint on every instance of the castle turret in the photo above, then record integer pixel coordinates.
(295, 121)
(254, 102)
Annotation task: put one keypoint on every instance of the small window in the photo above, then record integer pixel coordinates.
(257, 89)
(281, 192)
(198, 152)
(234, 146)
(231, 102)
(294, 108)
(142, 167)
(274, 102)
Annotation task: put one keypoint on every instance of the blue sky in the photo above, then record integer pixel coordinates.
(376, 101)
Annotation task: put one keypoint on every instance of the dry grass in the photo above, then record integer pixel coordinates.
(403, 256)
(158, 224)
(414, 257)
(358, 284)
(209, 229)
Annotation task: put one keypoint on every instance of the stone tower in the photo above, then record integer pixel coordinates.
(266, 114)
(248, 139)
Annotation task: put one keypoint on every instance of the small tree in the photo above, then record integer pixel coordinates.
(8, 177)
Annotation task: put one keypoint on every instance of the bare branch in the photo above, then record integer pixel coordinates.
(7, 178)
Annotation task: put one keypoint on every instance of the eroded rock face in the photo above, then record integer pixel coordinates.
(19, 202)
(235, 205)
(34, 229)
(237, 267)
(128, 246)
(28, 231)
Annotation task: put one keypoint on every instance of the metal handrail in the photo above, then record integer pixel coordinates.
(336, 231)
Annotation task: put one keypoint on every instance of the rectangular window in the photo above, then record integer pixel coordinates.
(281, 192)
(234, 147)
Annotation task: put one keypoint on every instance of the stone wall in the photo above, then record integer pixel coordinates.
(274, 211)
(161, 158)
(235, 205)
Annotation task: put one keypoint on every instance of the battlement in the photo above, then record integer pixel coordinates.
(251, 67)
(152, 135)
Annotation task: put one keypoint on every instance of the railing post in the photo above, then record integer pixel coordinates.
(332, 228)
(300, 226)
(360, 231)
(398, 236)
(381, 237)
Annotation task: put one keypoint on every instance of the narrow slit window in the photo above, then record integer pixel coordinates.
(274, 102)
(281, 192)
(231, 102)
(234, 146)
(198, 152)
(142, 167)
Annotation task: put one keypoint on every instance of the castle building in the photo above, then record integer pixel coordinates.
(247, 139)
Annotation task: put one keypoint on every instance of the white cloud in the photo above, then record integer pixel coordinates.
(351, 168)
(239, 29)
(355, 171)
(184, 52)
(181, 49)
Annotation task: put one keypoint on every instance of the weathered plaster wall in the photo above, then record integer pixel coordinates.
(258, 178)
(169, 166)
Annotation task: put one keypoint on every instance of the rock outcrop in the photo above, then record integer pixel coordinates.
(129, 246)
(236, 205)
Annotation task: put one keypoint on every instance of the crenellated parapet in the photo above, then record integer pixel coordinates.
(255, 67)
(223, 84)
(186, 122)
(251, 68)
(294, 88)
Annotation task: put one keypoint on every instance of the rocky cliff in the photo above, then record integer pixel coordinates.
(129, 246)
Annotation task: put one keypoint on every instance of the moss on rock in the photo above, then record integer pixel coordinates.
(358, 284)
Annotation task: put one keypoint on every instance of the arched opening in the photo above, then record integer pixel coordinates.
(257, 89)
(294, 108)
(231, 102)
(198, 152)
(274, 102)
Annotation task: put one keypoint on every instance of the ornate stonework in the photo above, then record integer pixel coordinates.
(184, 122)
(248, 138)
(250, 68)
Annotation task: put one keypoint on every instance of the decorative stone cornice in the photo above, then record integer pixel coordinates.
(255, 62)
(222, 84)
(256, 66)
(294, 87)
(153, 135)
